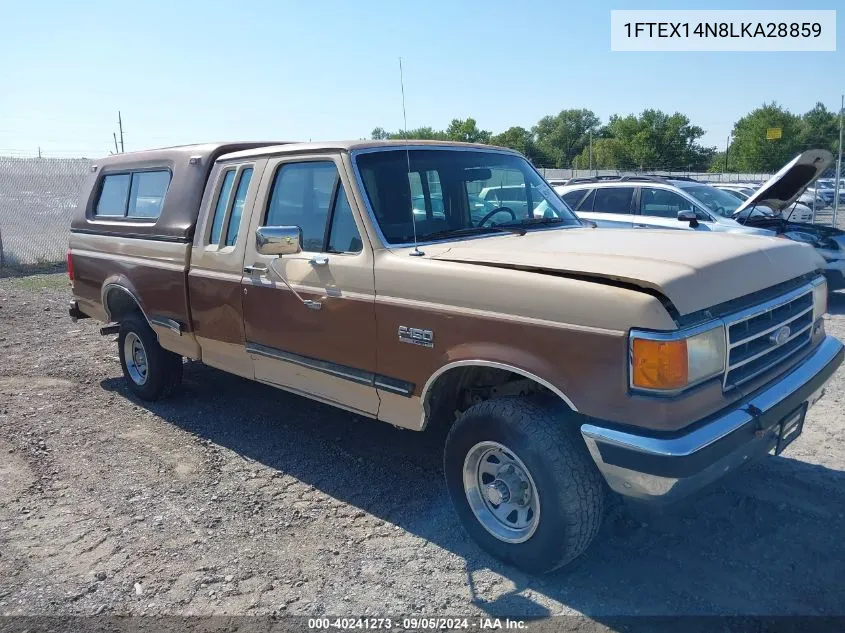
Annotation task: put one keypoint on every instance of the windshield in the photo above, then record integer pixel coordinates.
(456, 191)
(718, 201)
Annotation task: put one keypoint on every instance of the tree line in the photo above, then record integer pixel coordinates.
(651, 140)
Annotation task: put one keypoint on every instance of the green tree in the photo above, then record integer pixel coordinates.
(522, 140)
(466, 131)
(563, 136)
(656, 140)
(420, 133)
(819, 129)
(379, 134)
(753, 152)
(608, 153)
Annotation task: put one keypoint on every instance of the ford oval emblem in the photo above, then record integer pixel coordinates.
(780, 336)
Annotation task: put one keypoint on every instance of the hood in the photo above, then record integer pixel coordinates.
(784, 187)
(694, 270)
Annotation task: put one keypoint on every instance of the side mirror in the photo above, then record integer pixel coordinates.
(278, 240)
(688, 216)
(589, 224)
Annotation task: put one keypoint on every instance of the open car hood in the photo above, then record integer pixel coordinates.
(782, 189)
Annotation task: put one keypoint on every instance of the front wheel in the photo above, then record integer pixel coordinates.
(523, 483)
(151, 371)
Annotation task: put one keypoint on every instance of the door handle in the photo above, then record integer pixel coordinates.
(641, 226)
(255, 268)
(318, 260)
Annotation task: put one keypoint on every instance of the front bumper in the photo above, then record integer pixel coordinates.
(666, 468)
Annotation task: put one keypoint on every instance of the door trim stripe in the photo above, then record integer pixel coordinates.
(386, 383)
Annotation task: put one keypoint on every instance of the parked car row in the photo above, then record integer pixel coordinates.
(654, 202)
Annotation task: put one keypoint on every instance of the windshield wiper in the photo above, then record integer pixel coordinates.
(533, 221)
(474, 230)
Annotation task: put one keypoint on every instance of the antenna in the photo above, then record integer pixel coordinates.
(416, 252)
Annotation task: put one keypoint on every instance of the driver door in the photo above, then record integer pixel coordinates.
(318, 336)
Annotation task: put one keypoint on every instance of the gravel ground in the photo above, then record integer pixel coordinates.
(237, 498)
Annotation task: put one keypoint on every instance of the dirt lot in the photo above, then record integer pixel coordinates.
(237, 498)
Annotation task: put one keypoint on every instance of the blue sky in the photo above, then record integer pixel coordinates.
(185, 71)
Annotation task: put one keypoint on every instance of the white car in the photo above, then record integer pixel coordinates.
(653, 202)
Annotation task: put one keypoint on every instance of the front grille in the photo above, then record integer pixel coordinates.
(752, 348)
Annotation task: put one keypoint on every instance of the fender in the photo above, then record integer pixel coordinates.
(494, 357)
(120, 283)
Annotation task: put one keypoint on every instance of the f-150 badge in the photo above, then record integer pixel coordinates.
(416, 336)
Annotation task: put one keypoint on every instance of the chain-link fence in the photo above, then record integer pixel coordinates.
(37, 199)
(563, 174)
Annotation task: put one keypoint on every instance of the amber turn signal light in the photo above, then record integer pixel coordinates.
(659, 364)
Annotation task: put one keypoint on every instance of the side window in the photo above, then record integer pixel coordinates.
(146, 196)
(613, 200)
(572, 198)
(220, 207)
(343, 235)
(113, 195)
(138, 194)
(587, 203)
(238, 207)
(662, 203)
(301, 196)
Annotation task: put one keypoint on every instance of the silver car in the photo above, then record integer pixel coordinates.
(652, 202)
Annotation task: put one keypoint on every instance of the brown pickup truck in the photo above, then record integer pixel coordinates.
(436, 283)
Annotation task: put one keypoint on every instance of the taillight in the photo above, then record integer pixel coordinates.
(70, 266)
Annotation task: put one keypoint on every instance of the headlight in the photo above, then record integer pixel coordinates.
(819, 298)
(668, 362)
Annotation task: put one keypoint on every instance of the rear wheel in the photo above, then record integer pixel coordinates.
(523, 483)
(151, 371)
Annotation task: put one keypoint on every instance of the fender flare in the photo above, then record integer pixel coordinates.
(120, 284)
(425, 394)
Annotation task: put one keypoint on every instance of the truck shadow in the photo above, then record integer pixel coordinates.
(767, 542)
(836, 302)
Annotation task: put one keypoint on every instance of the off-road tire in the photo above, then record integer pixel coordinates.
(164, 368)
(571, 490)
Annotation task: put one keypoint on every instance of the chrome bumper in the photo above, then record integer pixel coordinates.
(665, 468)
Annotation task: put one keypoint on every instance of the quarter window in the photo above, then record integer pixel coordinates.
(238, 207)
(310, 196)
(137, 194)
(572, 198)
(220, 207)
(613, 200)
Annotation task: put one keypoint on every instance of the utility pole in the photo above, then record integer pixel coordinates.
(39, 151)
(727, 149)
(120, 125)
(114, 134)
(838, 165)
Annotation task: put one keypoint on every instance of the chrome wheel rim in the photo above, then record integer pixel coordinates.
(135, 357)
(501, 492)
